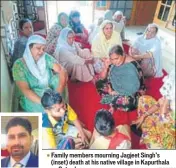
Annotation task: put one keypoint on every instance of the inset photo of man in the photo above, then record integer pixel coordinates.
(19, 141)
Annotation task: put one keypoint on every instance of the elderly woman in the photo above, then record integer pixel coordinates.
(121, 81)
(147, 49)
(81, 33)
(35, 72)
(53, 34)
(26, 29)
(157, 119)
(78, 62)
(119, 22)
(105, 39)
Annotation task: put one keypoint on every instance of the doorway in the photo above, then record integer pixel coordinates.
(53, 8)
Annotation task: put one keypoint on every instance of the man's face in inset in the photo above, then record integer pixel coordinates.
(18, 142)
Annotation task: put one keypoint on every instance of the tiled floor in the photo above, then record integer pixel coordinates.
(168, 58)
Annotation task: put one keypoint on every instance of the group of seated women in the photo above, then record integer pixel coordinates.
(66, 54)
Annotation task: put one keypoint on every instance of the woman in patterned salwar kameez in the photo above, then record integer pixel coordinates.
(54, 32)
(157, 118)
(121, 81)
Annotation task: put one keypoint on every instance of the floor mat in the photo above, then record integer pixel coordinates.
(85, 100)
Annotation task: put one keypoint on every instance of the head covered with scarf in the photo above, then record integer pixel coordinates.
(118, 16)
(152, 25)
(104, 44)
(153, 45)
(62, 41)
(37, 68)
(77, 27)
(60, 16)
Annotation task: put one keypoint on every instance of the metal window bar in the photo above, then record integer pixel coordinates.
(165, 5)
(10, 35)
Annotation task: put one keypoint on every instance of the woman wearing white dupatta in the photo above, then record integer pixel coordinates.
(147, 48)
(78, 62)
(119, 22)
(33, 74)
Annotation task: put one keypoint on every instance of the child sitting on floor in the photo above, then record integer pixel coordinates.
(106, 135)
(60, 121)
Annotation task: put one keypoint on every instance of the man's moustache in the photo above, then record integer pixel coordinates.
(17, 146)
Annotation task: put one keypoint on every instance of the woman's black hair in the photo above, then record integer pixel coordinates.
(104, 122)
(117, 49)
(49, 98)
(25, 123)
(22, 22)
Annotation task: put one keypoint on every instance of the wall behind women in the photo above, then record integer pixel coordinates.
(7, 8)
(6, 83)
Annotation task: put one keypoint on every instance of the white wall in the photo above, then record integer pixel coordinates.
(6, 86)
(6, 83)
(168, 48)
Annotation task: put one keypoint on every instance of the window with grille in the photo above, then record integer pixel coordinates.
(101, 4)
(164, 10)
(39, 3)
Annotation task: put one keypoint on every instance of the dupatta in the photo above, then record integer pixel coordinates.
(37, 69)
(124, 79)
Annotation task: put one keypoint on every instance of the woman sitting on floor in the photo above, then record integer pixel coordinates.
(26, 30)
(147, 49)
(54, 31)
(78, 62)
(121, 81)
(81, 33)
(157, 119)
(106, 135)
(35, 72)
(105, 39)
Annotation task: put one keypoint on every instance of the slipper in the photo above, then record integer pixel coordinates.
(136, 130)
